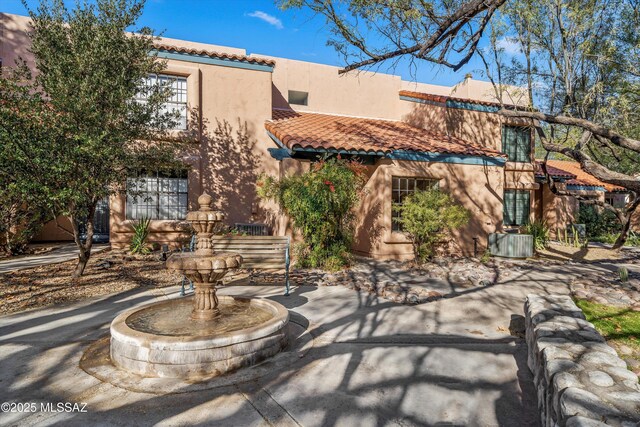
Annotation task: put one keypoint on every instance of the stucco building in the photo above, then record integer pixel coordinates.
(245, 115)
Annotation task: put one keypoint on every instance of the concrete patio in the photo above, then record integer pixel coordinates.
(374, 362)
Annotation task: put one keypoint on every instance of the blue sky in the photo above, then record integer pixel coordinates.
(261, 28)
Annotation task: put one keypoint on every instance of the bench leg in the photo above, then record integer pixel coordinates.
(287, 262)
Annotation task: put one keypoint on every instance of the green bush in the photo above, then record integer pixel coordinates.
(598, 221)
(624, 274)
(21, 218)
(632, 240)
(540, 232)
(427, 217)
(320, 204)
(140, 234)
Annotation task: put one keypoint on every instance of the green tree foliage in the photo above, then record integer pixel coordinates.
(598, 222)
(89, 71)
(320, 203)
(428, 217)
(24, 118)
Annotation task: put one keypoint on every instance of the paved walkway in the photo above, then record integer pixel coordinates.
(374, 362)
(62, 254)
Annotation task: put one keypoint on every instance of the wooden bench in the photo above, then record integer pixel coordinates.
(258, 252)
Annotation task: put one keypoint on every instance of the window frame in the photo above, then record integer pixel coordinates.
(396, 227)
(159, 187)
(298, 92)
(514, 214)
(517, 156)
(182, 96)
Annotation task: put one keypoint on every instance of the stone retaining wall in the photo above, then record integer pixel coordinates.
(581, 381)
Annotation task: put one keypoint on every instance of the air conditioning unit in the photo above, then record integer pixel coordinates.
(511, 245)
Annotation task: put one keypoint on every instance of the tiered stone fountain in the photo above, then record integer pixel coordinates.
(204, 335)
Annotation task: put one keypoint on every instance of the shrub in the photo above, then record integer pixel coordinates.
(540, 232)
(320, 204)
(632, 240)
(20, 218)
(427, 217)
(140, 234)
(598, 221)
(624, 274)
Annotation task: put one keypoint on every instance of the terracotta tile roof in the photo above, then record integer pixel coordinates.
(582, 177)
(554, 172)
(220, 55)
(326, 131)
(443, 99)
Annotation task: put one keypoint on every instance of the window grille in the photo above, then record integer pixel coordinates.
(401, 188)
(157, 196)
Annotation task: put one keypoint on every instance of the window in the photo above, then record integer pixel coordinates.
(157, 196)
(516, 207)
(616, 200)
(298, 98)
(177, 101)
(401, 188)
(516, 143)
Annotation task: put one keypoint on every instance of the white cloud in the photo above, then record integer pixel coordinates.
(509, 45)
(269, 19)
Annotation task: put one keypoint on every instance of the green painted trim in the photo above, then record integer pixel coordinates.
(203, 59)
(446, 158)
(586, 188)
(461, 105)
(279, 153)
(457, 105)
(279, 143)
(283, 152)
(338, 151)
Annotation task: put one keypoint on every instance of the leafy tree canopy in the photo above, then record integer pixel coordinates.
(88, 132)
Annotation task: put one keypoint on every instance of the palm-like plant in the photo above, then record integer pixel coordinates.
(140, 234)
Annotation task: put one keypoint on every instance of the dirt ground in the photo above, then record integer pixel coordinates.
(53, 284)
(560, 252)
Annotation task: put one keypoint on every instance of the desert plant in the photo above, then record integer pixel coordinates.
(140, 234)
(540, 232)
(427, 217)
(320, 203)
(624, 274)
(486, 256)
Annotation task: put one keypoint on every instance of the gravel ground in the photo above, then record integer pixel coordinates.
(107, 272)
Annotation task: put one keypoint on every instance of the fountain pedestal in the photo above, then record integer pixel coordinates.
(205, 335)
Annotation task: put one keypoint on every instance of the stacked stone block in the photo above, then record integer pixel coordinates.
(580, 380)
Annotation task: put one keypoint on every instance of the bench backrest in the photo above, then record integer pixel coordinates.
(258, 252)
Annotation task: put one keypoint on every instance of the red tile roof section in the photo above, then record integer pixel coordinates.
(202, 52)
(554, 172)
(582, 177)
(326, 131)
(444, 98)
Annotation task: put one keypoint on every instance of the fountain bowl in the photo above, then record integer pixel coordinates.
(156, 340)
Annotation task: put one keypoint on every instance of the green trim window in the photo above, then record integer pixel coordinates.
(157, 195)
(402, 187)
(517, 205)
(516, 143)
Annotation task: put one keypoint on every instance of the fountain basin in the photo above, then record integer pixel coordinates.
(148, 342)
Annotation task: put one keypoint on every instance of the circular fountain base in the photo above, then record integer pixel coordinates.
(159, 340)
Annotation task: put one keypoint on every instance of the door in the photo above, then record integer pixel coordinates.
(100, 223)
